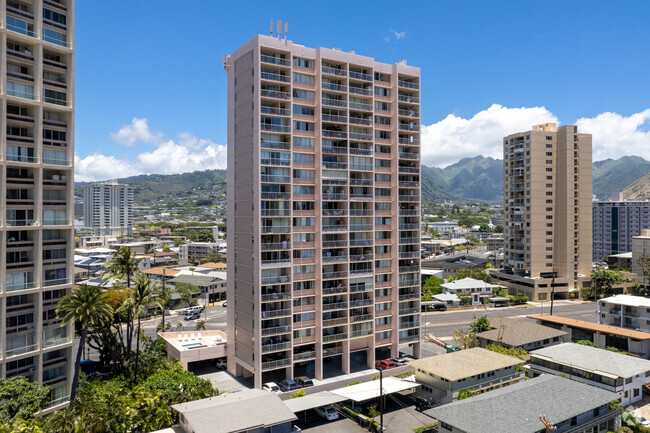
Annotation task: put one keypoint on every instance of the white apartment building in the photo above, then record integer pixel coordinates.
(36, 179)
(615, 223)
(323, 210)
(108, 208)
(640, 247)
(625, 311)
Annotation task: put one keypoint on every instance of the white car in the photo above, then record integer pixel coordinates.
(222, 363)
(271, 387)
(327, 412)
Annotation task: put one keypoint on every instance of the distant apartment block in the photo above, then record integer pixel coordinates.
(615, 223)
(195, 251)
(547, 193)
(37, 191)
(640, 247)
(625, 311)
(108, 208)
(323, 210)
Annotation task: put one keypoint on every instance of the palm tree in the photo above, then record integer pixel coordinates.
(87, 306)
(141, 296)
(121, 266)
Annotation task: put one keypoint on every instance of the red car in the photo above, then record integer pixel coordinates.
(384, 365)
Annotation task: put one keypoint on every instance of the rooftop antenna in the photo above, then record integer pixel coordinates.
(279, 28)
(271, 26)
(286, 30)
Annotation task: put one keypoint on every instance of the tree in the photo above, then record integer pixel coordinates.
(472, 272)
(432, 287)
(498, 228)
(644, 263)
(515, 352)
(216, 258)
(200, 325)
(465, 339)
(21, 398)
(206, 236)
(140, 297)
(87, 306)
(121, 266)
(604, 279)
(519, 299)
(586, 343)
(479, 325)
(185, 291)
(166, 248)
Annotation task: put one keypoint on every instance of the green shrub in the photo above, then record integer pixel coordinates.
(300, 393)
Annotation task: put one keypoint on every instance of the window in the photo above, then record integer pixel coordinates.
(303, 126)
(382, 106)
(382, 163)
(302, 110)
(382, 135)
(302, 78)
(381, 120)
(303, 142)
(303, 94)
(303, 189)
(303, 174)
(303, 222)
(303, 63)
(380, 91)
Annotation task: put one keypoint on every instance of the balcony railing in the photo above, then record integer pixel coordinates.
(360, 107)
(408, 84)
(334, 134)
(362, 333)
(20, 350)
(335, 102)
(275, 94)
(360, 137)
(360, 76)
(335, 337)
(335, 322)
(409, 169)
(276, 330)
(22, 222)
(334, 86)
(304, 355)
(335, 71)
(275, 128)
(415, 198)
(275, 60)
(361, 318)
(335, 274)
(361, 91)
(335, 228)
(409, 155)
(409, 113)
(360, 121)
(56, 341)
(276, 279)
(275, 347)
(335, 306)
(409, 99)
(409, 141)
(275, 364)
(275, 77)
(276, 229)
(56, 282)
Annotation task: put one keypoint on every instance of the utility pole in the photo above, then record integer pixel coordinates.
(552, 290)
(381, 400)
(164, 300)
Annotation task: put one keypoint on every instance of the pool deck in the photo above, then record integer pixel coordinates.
(194, 346)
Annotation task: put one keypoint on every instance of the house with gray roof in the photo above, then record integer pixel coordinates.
(571, 406)
(442, 377)
(248, 411)
(616, 372)
(522, 334)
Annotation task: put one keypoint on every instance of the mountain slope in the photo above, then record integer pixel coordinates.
(613, 175)
(639, 189)
(475, 179)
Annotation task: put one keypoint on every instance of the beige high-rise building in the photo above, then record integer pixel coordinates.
(323, 210)
(36, 178)
(547, 204)
(108, 208)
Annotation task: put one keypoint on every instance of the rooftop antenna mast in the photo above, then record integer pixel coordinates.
(279, 29)
(286, 30)
(271, 26)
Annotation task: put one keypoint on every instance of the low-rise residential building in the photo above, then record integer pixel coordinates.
(616, 372)
(195, 251)
(248, 411)
(625, 311)
(451, 265)
(521, 334)
(478, 290)
(572, 407)
(626, 340)
(442, 377)
(189, 347)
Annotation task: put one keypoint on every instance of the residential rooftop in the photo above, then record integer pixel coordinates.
(459, 365)
(468, 283)
(628, 300)
(240, 411)
(159, 271)
(516, 408)
(594, 359)
(582, 324)
(516, 332)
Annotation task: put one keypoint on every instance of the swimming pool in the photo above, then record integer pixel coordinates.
(192, 345)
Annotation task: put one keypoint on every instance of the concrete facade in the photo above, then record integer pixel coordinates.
(324, 196)
(548, 221)
(108, 208)
(640, 248)
(615, 223)
(36, 191)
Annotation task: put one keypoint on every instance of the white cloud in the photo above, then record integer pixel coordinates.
(453, 138)
(138, 130)
(398, 35)
(614, 135)
(186, 153)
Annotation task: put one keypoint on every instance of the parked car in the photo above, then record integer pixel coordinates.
(224, 304)
(288, 385)
(384, 364)
(303, 381)
(351, 404)
(222, 363)
(422, 403)
(195, 309)
(327, 412)
(398, 361)
(192, 316)
(271, 387)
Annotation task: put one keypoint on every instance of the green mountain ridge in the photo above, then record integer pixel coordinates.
(477, 179)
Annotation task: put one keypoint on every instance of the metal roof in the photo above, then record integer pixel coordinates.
(465, 363)
(312, 401)
(516, 408)
(368, 390)
(197, 280)
(591, 326)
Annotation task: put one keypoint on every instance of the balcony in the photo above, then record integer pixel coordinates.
(270, 365)
(361, 333)
(409, 169)
(408, 84)
(360, 76)
(335, 306)
(409, 155)
(409, 99)
(334, 86)
(284, 129)
(274, 60)
(410, 310)
(15, 287)
(335, 322)
(275, 77)
(304, 355)
(334, 102)
(360, 107)
(409, 198)
(334, 71)
(334, 134)
(334, 274)
(408, 113)
(360, 121)
(334, 337)
(20, 350)
(409, 141)
(335, 258)
(276, 330)
(361, 91)
(360, 136)
(266, 348)
(364, 302)
(276, 279)
(408, 296)
(275, 94)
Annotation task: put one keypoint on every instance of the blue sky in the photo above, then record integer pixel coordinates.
(151, 90)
